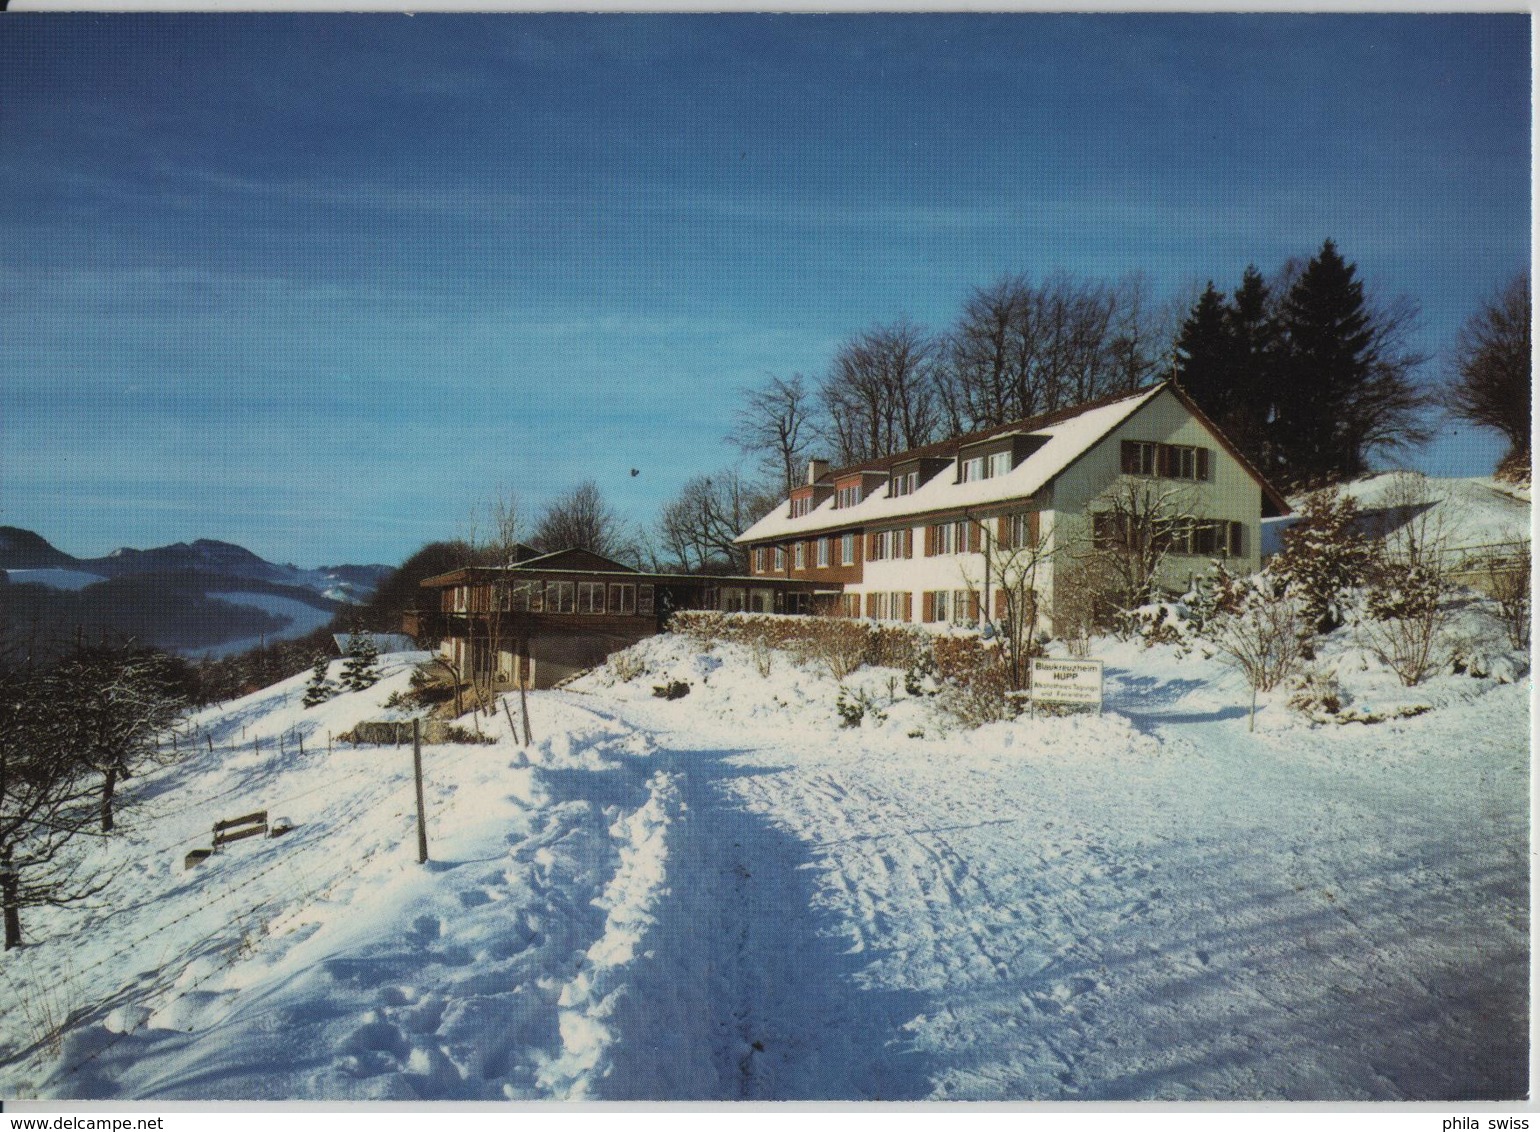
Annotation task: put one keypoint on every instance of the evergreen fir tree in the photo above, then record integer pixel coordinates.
(1204, 356)
(320, 689)
(1253, 339)
(1327, 335)
(360, 671)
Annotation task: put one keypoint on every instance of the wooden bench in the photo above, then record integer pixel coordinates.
(237, 829)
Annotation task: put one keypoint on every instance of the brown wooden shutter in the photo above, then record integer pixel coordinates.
(930, 544)
(973, 605)
(1237, 539)
(1034, 525)
(999, 604)
(908, 542)
(908, 607)
(1003, 532)
(871, 605)
(1202, 464)
(1131, 457)
(928, 605)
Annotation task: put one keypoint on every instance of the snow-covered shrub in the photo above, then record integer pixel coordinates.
(673, 690)
(1508, 582)
(1319, 695)
(920, 676)
(839, 644)
(626, 666)
(855, 705)
(974, 684)
(1261, 633)
(1159, 623)
(1405, 617)
(1324, 559)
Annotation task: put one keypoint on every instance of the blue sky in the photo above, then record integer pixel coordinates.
(318, 284)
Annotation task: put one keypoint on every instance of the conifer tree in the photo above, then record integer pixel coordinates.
(1205, 356)
(1343, 383)
(320, 689)
(360, 671)
(1253, 340)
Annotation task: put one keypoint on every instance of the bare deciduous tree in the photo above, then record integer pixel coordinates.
(698, 527)
(774, 425)
(1489, 379)
(1134, 524)
(880, 395)
(580, 519)
(1020, 349)
(47, 805)
(118, 703)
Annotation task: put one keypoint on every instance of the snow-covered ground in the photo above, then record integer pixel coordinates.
(731, 896)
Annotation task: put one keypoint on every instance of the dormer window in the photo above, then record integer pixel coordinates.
(904, 484)
(999, 464)
(847, 496)
(972, 469)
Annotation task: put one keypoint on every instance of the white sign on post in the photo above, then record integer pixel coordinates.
(1057, 681)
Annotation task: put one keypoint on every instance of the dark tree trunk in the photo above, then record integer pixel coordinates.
(107, 787)
(10, 898)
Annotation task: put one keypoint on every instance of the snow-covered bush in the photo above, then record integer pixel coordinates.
(1261, 633)
(626, 666)
(1508, 582)
(1405, 617)
(1324, 559)
(1319, 695)
(974, 684)
(853, 706)
(673, 690)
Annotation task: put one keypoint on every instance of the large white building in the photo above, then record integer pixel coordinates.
(922, 535)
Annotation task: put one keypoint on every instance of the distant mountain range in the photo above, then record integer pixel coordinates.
(195, 598)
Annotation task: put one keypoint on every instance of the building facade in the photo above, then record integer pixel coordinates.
(950, 532)
(547, 617)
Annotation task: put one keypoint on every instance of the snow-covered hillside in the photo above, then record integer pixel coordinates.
(729, 895)
(1469, 512)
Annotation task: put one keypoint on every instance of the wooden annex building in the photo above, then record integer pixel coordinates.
(545, 617)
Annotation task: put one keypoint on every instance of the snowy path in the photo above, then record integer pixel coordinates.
(1155, 906)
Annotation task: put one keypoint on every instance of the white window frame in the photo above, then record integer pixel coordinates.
(999, 464)
(779, 558)
(622, 598)
(972, 469)
(823, 552)
(590, 597)
(799, 555)
(847, 549)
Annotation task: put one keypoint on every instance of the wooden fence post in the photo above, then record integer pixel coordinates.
(422, 820)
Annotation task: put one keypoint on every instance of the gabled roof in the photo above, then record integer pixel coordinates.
(1068, 435)
(573, 558)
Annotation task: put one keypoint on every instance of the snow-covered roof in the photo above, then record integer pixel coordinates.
(1068, 437)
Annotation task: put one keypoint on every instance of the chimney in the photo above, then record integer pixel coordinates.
(816, 470)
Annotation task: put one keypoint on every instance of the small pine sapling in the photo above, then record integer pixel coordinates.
(320, 689)
(360, 671)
